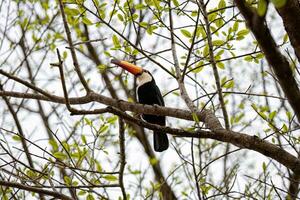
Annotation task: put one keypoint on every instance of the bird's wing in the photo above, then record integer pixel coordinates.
(159, 96)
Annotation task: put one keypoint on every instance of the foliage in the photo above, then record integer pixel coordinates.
(219, 62)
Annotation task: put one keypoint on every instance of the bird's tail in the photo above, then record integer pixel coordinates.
(161, 141)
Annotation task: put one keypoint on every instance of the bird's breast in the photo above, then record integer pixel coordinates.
(147, 94)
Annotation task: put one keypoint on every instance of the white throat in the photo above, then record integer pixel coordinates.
(144, 78)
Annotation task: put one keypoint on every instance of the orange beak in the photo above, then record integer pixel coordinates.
(135, 70)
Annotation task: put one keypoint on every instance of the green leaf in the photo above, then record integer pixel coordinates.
(112, 119)
(273, 140)
(212, 16)
(107, 53)
(217, 42)
(285, 128)
(66, 145)
(289, 115)
(206, 51)
(96, 3)
(86, 21)
(214, 29)
(263, 115)
(285, 38)
(186, 33)
(135, 52)
(83, 138)
(140, 6)
(220, 65)
(254, 107)
(144, 24)
(136, 172)
(72, 11)
(205, 189)
(238, 118)
(120, 17)
(220, 52)
(101, 67)
(65, 54)
(128, 49)
(195, 117)
(90, 197)
(116, 41)
(151, 28)
(99, 167)
(110, 177)
(54, 144)
(235, 26)
(198, 67)
(135, 16)
(279, 3)
(175, 2)
(67, 180)
(24, 23)
(222, 4)
(272, 115)
(200, 31)
(248, 58)
(243, 32)
(219, 22)
(88, 121)
(262, 7)
(184, 193)
(60, 155)
(194, 13)
(264, 166)
(81, 193)
(259, 56)
(153, 161)
(103, 128)
(229, 84)
(16, 138)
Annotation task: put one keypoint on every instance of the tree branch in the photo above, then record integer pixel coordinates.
(73, 53)
(277, 61)
(238, 139)
(34, 189)
(290, 14)
(122, 156)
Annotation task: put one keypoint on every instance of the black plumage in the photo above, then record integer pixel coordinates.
(149, 93)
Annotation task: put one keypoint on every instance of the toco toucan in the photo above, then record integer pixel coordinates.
(148, 93)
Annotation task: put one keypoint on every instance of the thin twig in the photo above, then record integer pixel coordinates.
(73, 53)
(88, 41)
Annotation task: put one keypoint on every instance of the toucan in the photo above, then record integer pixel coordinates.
(148, 93)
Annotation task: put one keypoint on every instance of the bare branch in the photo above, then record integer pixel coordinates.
(34, 189)
(73, 53)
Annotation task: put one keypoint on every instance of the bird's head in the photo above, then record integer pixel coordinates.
(142, 75)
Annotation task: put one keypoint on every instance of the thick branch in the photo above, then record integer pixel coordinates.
(217, 133)
(238, 139)
(34, 189)
(290, 14)
(124, 105)
(277, 61)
